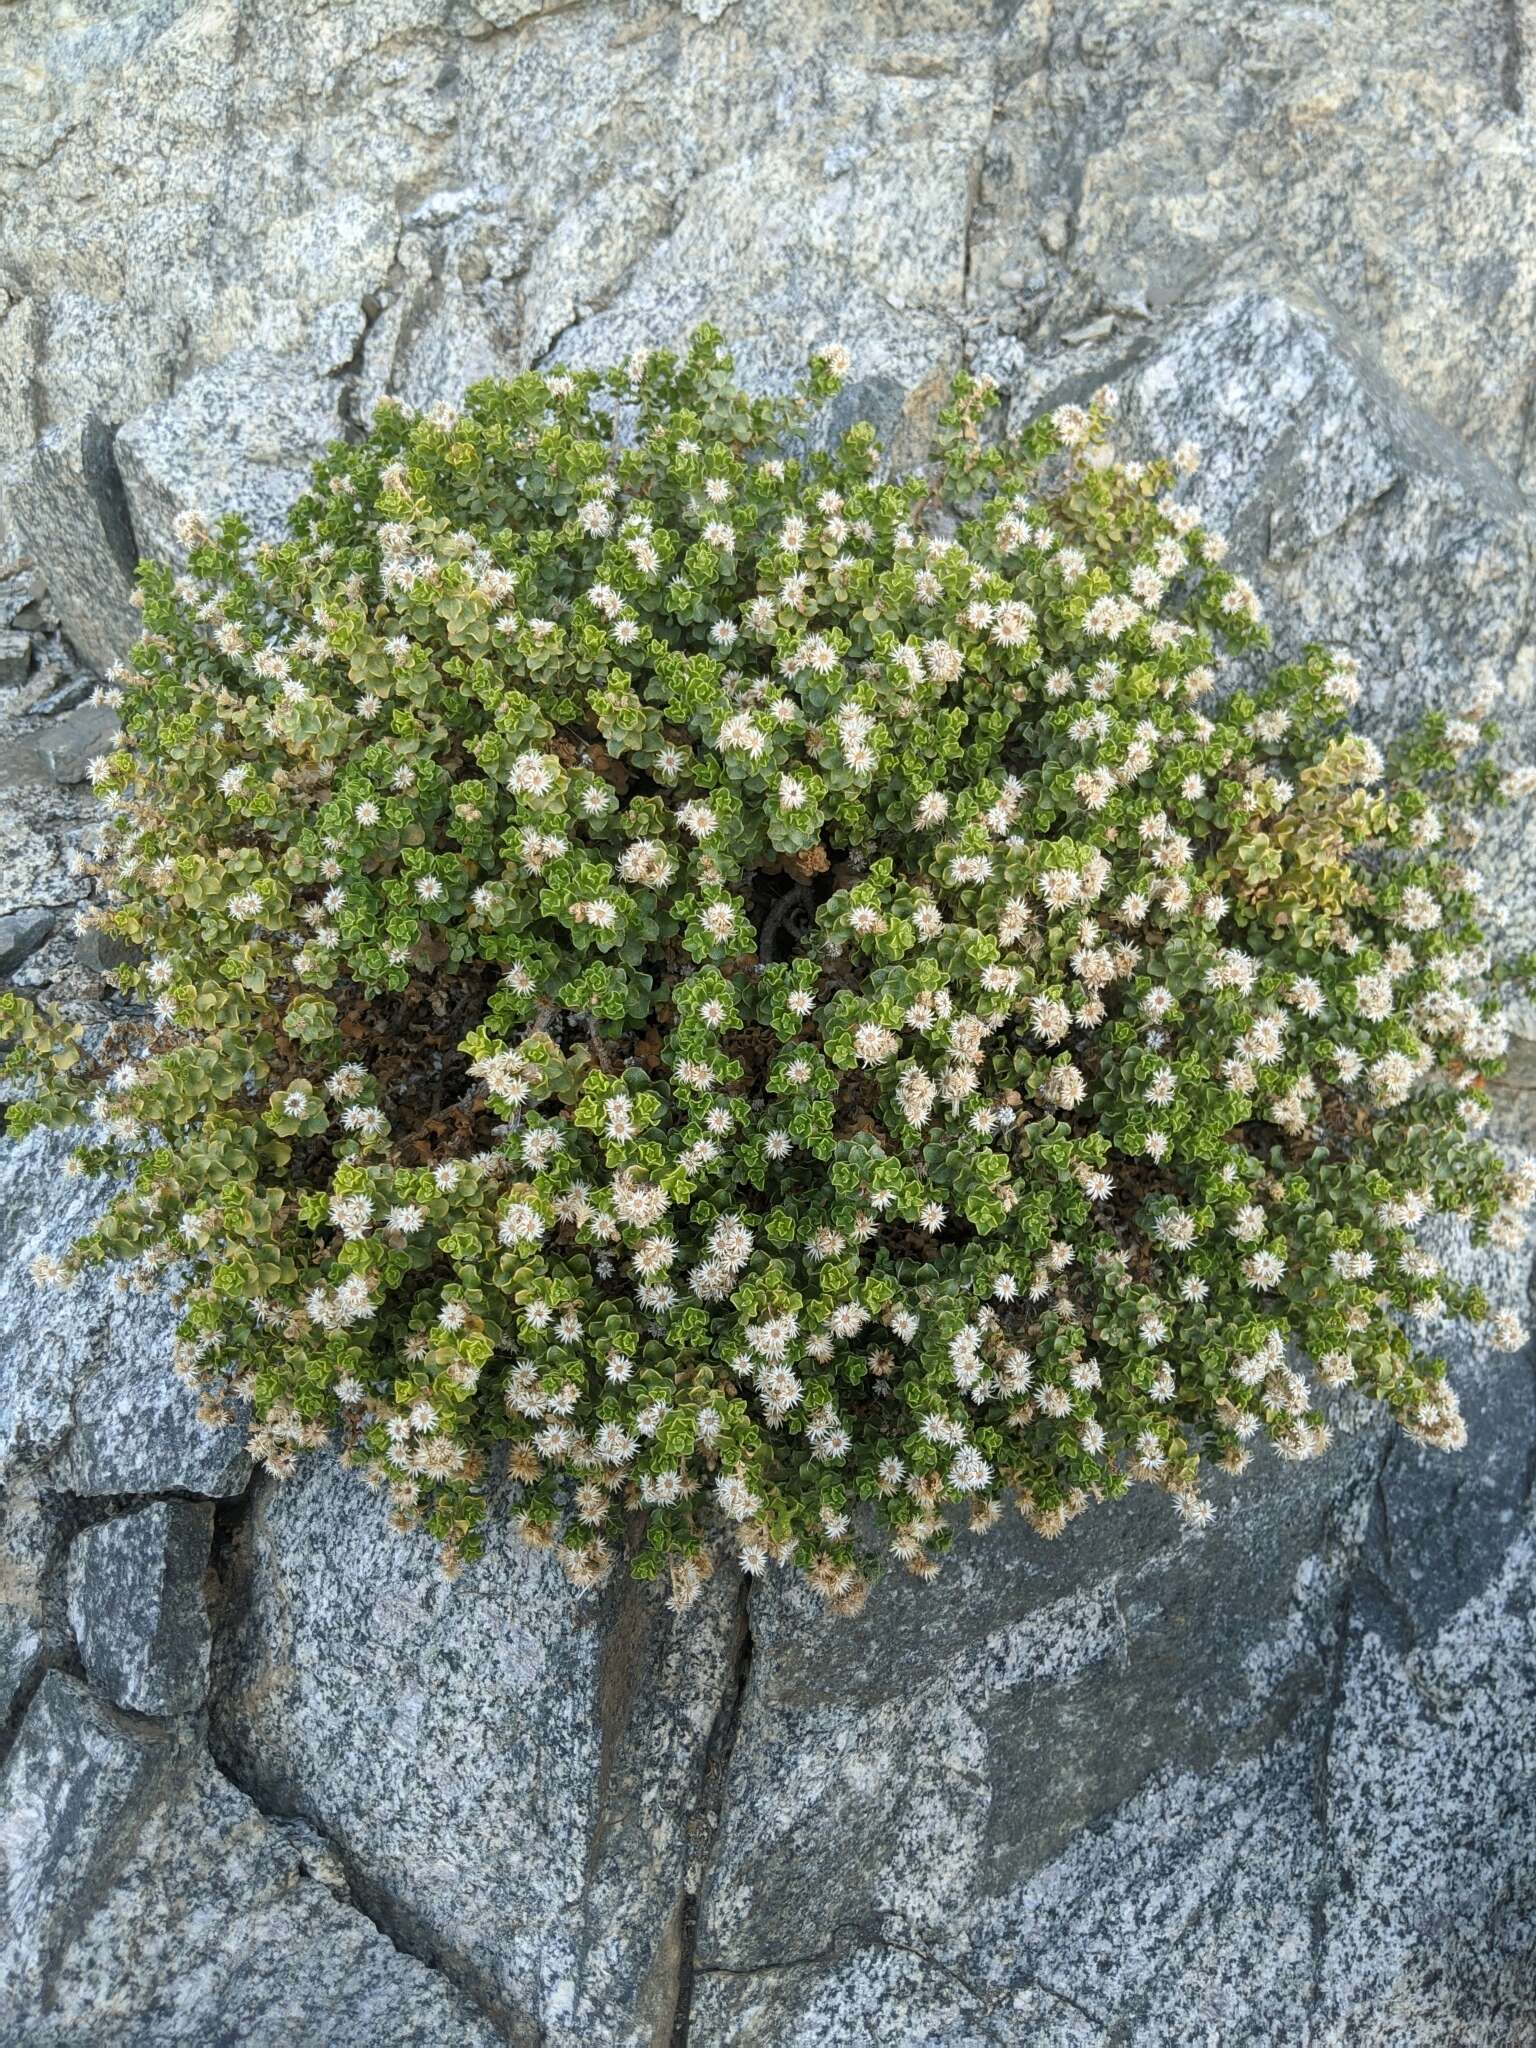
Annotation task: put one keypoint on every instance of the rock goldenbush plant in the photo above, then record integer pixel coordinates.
(733, 989)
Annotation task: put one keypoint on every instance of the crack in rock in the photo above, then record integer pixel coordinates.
(705, 1822)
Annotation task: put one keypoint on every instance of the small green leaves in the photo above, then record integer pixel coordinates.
(794, 1004)
(295, 1111)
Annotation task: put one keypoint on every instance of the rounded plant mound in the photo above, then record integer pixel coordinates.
(682, 982)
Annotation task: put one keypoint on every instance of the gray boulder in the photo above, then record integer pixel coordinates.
(15, 658)
(21, 933)
(65, 696)
(22, 593)
(921, 183)
(66, 505)
(148, 1901)
(509, 1774)
(70, 742)
(136, 1610)
(31, 871)
(239, 436)
(1342, 494)
(1141, 1787)
(35, 1528)
(87, 1397)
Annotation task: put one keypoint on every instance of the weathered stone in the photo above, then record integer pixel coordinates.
(15, 658)
(136, 1606)
(507, 1773)
(35, 1528)
(149, 1902)
(926, 1760)
(871, 177)
(1341, 493)
(72, 691)
(238, 437)
(65, 502)
(87, 1395)
(21, 598)
(100, 951)
(1056, 229)
(1091, 330)
(70, 743)
(1270, 1783)
(31, 870)
(1196, 143)
(21, 933)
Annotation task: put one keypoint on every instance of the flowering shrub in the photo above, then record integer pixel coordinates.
(748, 991)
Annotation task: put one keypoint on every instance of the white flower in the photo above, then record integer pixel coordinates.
(520, 1223)
(873, 1044)
(697, 819)
(969, 1470)
(1391, 1078)
(1263, 1269)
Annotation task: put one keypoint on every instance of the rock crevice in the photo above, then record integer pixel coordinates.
(704, 1822)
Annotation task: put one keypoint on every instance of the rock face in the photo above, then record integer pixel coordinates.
(148, 1900)
(510, 1779)
(135, 1588)
(21, 933)
(66, 506)
(1264, 1784)
(361, 210)
(1272, 1782)
(86, 1397)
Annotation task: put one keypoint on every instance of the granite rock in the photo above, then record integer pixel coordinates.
(15, 658)
(70, 742)
(135, 1591)
(906, 179)
(64, 696)
(148, 1901)
(88, 1401)
(507, 1773)
(1270, 1782)
(21, 933)
(35, 1528)
(21, 598)
(238, 436)
(65, 503)
(32, 873)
